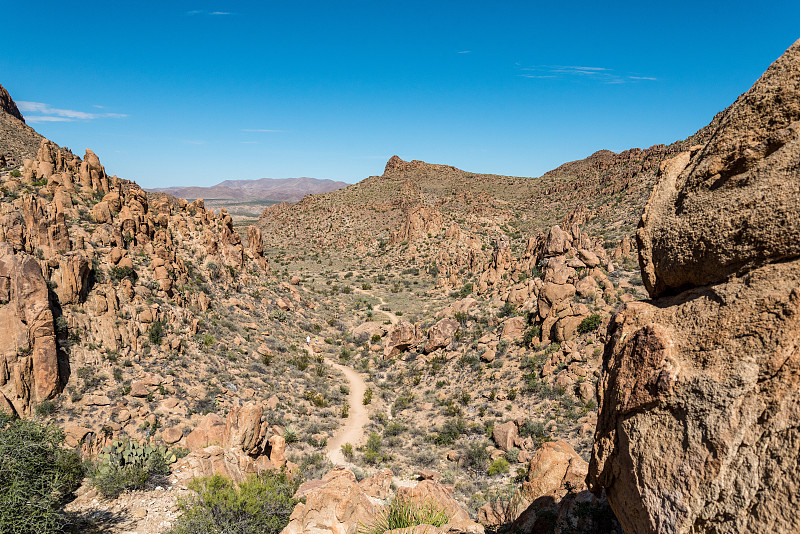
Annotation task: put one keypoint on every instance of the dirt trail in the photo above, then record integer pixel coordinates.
(353, 430)
(377, 307)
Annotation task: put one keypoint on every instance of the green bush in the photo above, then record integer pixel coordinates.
(476, 456)
(117, 274)
(261, 504)
(127, 465)
(290, 435)
(450, 431)
(37, 476)
(16, 173)
(347, 450)
(46, 407)
(367, 396)
(404, 513)
(156, 332)
(590, 324)
(532, 334)
(499, 466)
(372, 450)
(508, 310)
(466, 290)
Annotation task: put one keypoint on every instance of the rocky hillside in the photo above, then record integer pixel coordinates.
(700, 393)
(146, 317)
(18, 141)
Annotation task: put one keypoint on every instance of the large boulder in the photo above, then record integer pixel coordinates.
(734, 204)
(338, 504)
(441, 334)
(29, 364)
(700, 391)
(333, 505)
(401, 336)
(505, 435)
(235, 447)
(698, 408)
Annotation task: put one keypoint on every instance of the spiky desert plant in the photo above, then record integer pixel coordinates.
(404, 512)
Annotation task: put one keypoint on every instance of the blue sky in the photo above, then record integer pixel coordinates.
(177, 92)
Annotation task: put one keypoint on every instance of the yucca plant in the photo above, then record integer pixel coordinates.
(405, 513)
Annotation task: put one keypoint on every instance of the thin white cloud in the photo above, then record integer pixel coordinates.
(47, 118)
(599, 74)
(464, 52)
(260, 130)
(41, 112)
(209, 13)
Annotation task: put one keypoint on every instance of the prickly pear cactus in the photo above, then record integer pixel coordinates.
(130, 453)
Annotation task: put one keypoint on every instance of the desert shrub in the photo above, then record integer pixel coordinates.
(117, 274)
(532, 334)
(476, 456)
(465, 290)
(313, 466)
(376, 338)
(37, 476)
(402, 402)
(347, 450)
(261, 504)
(290, 435)
(46, 407)
(128, 465)
(450, 431)
(590, 324)
(535, 430)
(507, 310)
(499, 466)
(16, 173)
(405, 513)
(394, 429)
(372, 450)
(156, 332)
(367, 396)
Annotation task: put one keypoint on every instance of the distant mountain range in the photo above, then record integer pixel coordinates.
(265, 189)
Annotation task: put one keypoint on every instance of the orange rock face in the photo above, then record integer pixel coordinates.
(29, 365)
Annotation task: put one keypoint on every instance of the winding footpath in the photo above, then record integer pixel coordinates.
(394, 319)
(353, 430)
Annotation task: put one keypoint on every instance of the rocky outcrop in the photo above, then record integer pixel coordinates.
(7, 105)
(700, 391)
(441, 334)
(240, 445)
(338, 504)
(29, 364)
(733, 205)
(553, 497)
(401, 336)
(418, 221)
